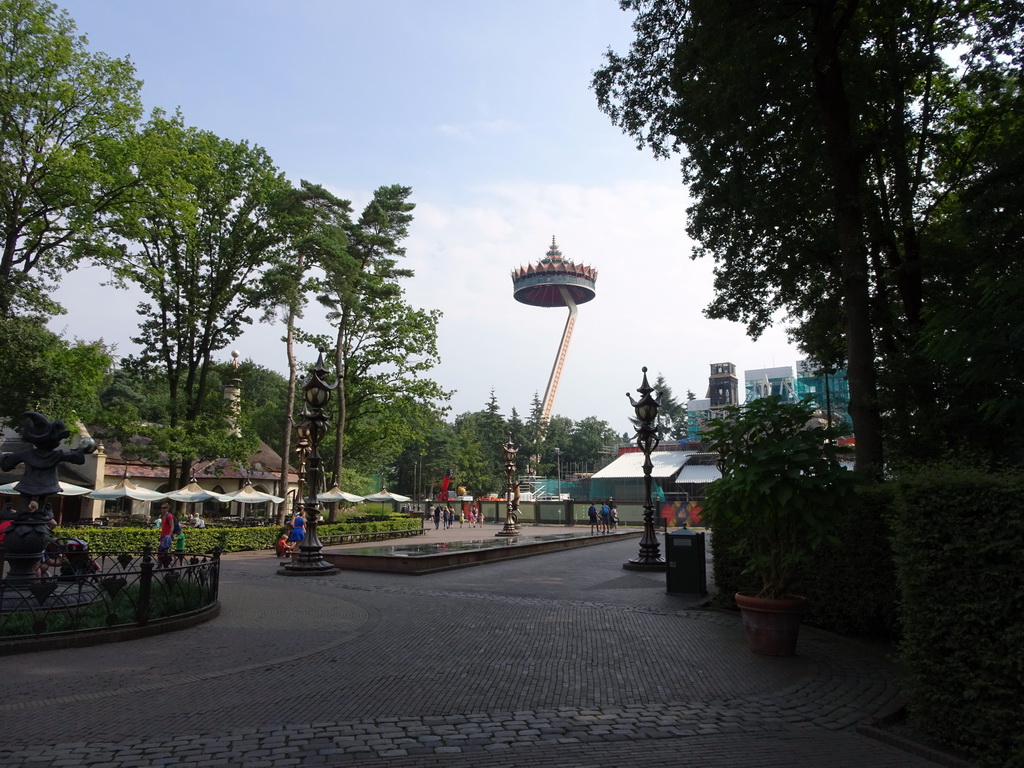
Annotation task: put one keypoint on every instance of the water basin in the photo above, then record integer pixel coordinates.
(415, 559)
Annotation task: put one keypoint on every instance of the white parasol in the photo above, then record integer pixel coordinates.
(249, 495)
(127, 488)
(193, 493)
(336, 494)
(66, 489)
(385, 495)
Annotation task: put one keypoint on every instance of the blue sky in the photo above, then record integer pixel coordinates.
(485, 110)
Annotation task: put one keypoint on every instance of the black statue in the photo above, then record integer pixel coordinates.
(41, 460)
(28, 537)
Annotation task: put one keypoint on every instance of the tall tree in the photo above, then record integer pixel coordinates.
(197, 240)
(382, 346)
(315, 222)
(821, 138)
(65, 117)
(671, 413)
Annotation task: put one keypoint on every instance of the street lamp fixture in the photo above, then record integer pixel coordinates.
(647, 439)
(310, 430)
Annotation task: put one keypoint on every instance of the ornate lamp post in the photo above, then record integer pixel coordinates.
(647, 440)
(558, 459)
(508, 452)
(302, 452)
(311, 430)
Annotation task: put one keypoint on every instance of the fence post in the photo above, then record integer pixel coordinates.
(145, 586)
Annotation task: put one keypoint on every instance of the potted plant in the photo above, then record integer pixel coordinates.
(782, 491)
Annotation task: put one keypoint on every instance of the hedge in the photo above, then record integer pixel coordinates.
(850, 585)
(205, 539)
(959, 547)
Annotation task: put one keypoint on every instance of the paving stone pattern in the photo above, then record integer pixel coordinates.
(563, 659)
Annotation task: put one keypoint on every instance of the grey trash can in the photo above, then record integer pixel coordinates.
(685, 572)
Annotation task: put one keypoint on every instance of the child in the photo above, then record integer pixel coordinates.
(179, 547)
(78, 564)
(282, 546)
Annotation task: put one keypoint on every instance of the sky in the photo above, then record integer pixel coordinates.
(486, 111)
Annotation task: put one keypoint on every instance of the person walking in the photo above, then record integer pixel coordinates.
(298, 531)
(592, 514)
(167, 532)
(614, 516)
(606, 518)
(437, 517)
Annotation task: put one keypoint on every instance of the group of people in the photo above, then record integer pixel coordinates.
(292, 535)
(445, 514)
(603, 519)
(69, 560)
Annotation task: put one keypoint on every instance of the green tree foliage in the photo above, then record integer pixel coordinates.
(263, 401)
(65, 116)
(196, 239)
(975, 328)
(671, 413)
(383, 347)
(315, 222)
(136, 406)
(823, 141)
(43, 372)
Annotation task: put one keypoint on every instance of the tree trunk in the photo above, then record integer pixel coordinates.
(830, 92)
(339, 372)
(286, 441)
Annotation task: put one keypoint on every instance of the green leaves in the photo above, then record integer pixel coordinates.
(65, 115)
(837, 155)
(782, 486)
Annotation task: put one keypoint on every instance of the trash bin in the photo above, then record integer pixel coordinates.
(685, 572)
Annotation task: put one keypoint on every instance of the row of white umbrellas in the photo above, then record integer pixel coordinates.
(192, 493)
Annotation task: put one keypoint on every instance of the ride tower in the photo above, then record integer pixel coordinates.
(555, 282)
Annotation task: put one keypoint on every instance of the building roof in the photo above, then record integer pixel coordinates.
(631, 465)
(700, 474)
(265, 464)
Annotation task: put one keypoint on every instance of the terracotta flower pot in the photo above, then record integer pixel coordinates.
(771, 626)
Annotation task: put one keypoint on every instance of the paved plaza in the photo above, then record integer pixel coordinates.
(563, 659)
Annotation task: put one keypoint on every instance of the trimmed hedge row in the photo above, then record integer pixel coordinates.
(935, 558)
(205, 539)
(850, 585)
(959, 547)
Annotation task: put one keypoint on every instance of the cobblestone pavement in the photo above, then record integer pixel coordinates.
(563, 659)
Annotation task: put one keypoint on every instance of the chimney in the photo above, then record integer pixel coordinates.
(233, 396)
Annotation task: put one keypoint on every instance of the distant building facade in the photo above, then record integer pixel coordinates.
(723, 391)
(765, 382)
(827, 392)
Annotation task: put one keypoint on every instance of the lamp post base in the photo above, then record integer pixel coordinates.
(649, 558)
(319, 568)
(644, 565)
(309, 562)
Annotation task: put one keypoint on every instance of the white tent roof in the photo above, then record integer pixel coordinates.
(66, 489)
(699, 473)
(127, 488)
(631, 465)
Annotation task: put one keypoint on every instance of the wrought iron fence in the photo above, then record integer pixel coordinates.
(101, 591)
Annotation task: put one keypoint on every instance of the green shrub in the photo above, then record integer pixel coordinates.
(959, 549)
(206, 539)
(782, 492)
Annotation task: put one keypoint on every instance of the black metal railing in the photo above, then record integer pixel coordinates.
(91, 592)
